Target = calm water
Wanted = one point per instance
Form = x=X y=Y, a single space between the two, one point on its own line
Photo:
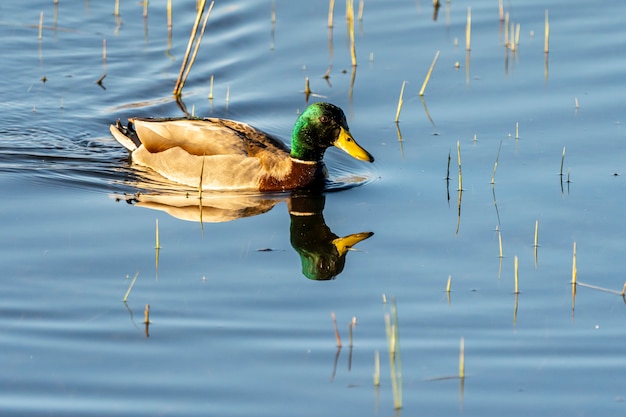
x=237 y=325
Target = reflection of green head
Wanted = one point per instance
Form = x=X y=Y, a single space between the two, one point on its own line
x=322 y=264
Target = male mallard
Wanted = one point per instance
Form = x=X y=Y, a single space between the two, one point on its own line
x=220 y=154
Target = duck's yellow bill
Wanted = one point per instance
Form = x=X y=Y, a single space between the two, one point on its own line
x=346 y=143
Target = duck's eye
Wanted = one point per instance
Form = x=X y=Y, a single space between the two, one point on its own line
x=324 y=119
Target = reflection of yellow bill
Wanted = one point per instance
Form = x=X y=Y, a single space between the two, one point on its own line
x=344 y=244
x=346 y=143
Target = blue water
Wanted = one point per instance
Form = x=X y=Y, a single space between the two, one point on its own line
x=236 y=325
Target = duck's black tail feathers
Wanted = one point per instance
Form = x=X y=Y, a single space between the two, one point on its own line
x=125 y=135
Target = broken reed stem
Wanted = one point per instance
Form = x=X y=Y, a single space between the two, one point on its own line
x=536 y=233
x=350 y=16
x=400 y=101
x=516 y=263
x=458 y=152
x=40 y=26
x=495 y=165
x=574 y=268
x=158 y=241
x=562 y=161
x=462 y=358
x=449 y=283
x=130 y=287
x=211 y=88
x=187 y=63
x=331 y=9
x=146 y=314
x=468 y=29
x=377 y=369
x=337 y=337
x=430 y=71
x=595 y=287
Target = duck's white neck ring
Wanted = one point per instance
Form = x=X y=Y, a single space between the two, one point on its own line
x=300 y=161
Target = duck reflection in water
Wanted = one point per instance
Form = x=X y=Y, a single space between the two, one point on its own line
x=322 y=253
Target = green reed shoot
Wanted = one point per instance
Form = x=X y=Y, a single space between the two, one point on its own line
x=130 y=287
x=400 y=102
x=495 y=165
x=430 y=71
x=458 y=152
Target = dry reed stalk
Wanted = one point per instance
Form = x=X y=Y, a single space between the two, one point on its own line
x=360 y=12
x=350 y=18
x=458 y=156
x=546 y=40
x=516 y=130
x=351 y=326
x=495 y=165
x=537 y=233
x=331 y=10
x=449 y=283
x=145 y=9
x=169 y=15
x=468 y=29
x=117 y=8
x=307 y=88
x=562 y=161
x=574 y=268
x=211 y=88
x=377 y=368
x=576 y=106
x=400 y=102
x=499 y=241
x=40 y=36
x=337 y=337
x=516 y=264
x=462 y=358
x=130 y=287
x=146 y=314
x=187 y=62
x=507 y=17
x=501 y=10
x=430 y=71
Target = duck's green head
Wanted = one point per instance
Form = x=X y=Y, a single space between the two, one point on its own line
x=320 y=126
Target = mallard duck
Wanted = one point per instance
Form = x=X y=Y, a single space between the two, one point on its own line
x=220 y=154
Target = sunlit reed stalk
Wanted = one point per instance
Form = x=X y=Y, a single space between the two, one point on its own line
x=462 y=358
x=377 y=368
x=337 y=337
x=430 y=71
x=384 y=297
x=307 y=87
x=468 y=29
x=227 y=95
x=516 y=264
x=146 y=314
x=169 y=15
x=394 y=356
x=273 y=12
x=517 y=30
x=200 y=187
x=331 y=11
x=350 y=17
x=574 y=268
x=576 y=106
x=495 y=165
x=211 y=88
x=130 y=287
x=458 y=153
x=158 y=242
x=400 y=102
x=360 y=12
x=40 y=26
x=506 y=30
x=187 y=62
x=516 y=130
x=546 y=41
x=117 y=8
x=562 y=161
x=536 y=233
x=145 y=8
x=449 y=283
x=511 y=41
x=499 y=240
x=501 y=10
x=351 y=326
